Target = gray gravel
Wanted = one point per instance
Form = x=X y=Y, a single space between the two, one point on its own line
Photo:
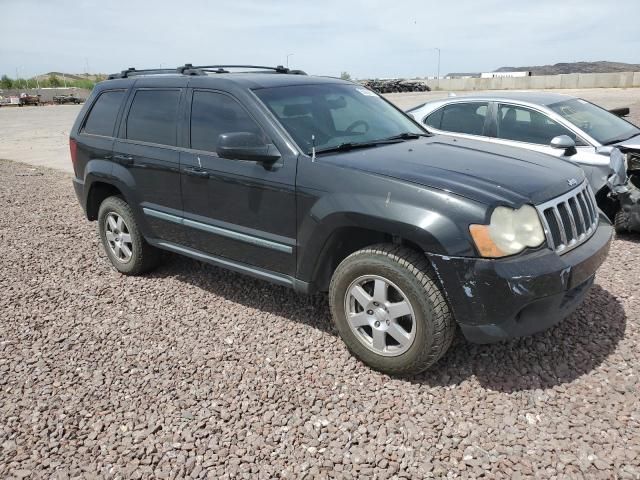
x=195 y=371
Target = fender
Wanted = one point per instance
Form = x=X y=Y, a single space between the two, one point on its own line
x=434 y=222
x=105 y=171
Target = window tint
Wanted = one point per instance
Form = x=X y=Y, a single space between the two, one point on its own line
x=464 y=118
x=153 y=116
x=102 y=118
x=435 y=119
x=526 y=125
x=215 y=113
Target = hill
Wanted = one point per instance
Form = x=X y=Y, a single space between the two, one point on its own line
x=576 y=67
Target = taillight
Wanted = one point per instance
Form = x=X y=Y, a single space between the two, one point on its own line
x=73 y=147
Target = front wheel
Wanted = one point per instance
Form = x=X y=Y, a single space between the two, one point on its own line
x=389 y=310
x=620 y=222
x=126 y=248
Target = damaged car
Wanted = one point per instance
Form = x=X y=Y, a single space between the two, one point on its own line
x=606 y=146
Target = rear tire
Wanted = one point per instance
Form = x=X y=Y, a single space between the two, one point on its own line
x=121 y=238
x=410 y=343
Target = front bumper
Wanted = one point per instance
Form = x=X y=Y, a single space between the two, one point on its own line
x=493 y=300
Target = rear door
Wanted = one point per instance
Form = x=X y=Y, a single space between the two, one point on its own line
x=463 y=119
x=237 y=209
x=147 y=157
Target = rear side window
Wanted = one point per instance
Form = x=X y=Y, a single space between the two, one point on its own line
x=464 y=118
x=102 y=118
x=434 y=119
x=153 y=117
x=215 y=113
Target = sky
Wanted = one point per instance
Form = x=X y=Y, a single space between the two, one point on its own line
x=368 y=39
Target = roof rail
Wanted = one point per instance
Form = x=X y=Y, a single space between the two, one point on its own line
x=189 y=69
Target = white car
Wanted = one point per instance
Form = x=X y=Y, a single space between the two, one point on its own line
x=555 y=124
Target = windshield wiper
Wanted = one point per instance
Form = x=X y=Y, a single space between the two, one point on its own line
x=408 y=136
x=343 y=147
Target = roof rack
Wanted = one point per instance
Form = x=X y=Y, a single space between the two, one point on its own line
x=189 y=69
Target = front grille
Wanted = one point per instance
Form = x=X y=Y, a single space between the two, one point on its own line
x=570 y=219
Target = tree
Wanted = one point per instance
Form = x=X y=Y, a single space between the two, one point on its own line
x=54 y=81
x=6 y=82
x=345 y=76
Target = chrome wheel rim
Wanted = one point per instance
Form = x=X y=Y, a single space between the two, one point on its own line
x=118 y=237
x=380 y=315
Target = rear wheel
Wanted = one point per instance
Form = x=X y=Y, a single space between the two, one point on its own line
x=389 y=310
x=126 y=248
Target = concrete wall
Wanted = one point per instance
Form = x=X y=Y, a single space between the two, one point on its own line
x=571 y=80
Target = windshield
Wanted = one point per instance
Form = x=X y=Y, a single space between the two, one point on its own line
x=603 y=126
x=334 y=114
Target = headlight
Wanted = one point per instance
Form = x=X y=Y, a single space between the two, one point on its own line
x=509 y=232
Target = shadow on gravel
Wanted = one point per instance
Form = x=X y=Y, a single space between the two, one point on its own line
x=249 y=292
x=573 y=348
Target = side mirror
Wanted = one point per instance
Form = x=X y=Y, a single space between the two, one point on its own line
x=246 y=146
x=564 y=142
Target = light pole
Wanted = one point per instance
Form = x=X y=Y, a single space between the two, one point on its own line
x=438 y=77
x=288 y=55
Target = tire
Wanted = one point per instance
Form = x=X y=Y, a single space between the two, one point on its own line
x=407 y=274
x=143 y=257
x=620 y=223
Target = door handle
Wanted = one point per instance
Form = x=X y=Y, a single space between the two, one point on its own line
x=196 y=172
x=123 y=159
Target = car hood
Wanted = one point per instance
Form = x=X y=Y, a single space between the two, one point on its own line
x=488 y=173
x=633 y=143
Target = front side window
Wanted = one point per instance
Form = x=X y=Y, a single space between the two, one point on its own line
x=598 y=123
x=330 y=115
x=523 y=124
x=153 y=117
x=213 y=114
x=463 y=118
x=102 y=118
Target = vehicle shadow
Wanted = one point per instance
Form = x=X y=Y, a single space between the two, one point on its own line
x=573 y=348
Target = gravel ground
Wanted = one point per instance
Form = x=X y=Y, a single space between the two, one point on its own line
x=195 y=371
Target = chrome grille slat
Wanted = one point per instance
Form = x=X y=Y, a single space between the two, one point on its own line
x=569 y=220
x=563 y=234
x=579 y=204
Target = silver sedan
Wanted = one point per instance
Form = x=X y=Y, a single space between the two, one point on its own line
x=603 y=144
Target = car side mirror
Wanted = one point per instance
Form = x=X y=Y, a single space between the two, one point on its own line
x=246 y=146
x=564 y=142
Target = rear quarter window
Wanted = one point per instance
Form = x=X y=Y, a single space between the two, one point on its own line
x=103 y=114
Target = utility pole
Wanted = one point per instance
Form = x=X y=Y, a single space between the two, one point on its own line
x=438 y=78
x=288 y=55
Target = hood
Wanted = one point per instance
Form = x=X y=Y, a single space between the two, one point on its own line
x=485 y=172
x=631 y=143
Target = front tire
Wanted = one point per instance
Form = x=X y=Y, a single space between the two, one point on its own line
x=389 y=310
x=121 y=238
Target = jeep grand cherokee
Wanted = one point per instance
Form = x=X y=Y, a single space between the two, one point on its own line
x=320 y=184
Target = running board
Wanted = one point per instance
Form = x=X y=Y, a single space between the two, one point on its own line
x=260 y=273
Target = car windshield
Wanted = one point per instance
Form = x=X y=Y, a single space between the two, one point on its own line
x=331 y=115
x=603 y=126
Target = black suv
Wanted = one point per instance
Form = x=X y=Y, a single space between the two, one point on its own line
x=320 y=184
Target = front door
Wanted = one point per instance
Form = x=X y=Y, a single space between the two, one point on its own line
x=236 y=209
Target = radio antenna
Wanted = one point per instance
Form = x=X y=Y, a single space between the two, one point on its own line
x=313 y=148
